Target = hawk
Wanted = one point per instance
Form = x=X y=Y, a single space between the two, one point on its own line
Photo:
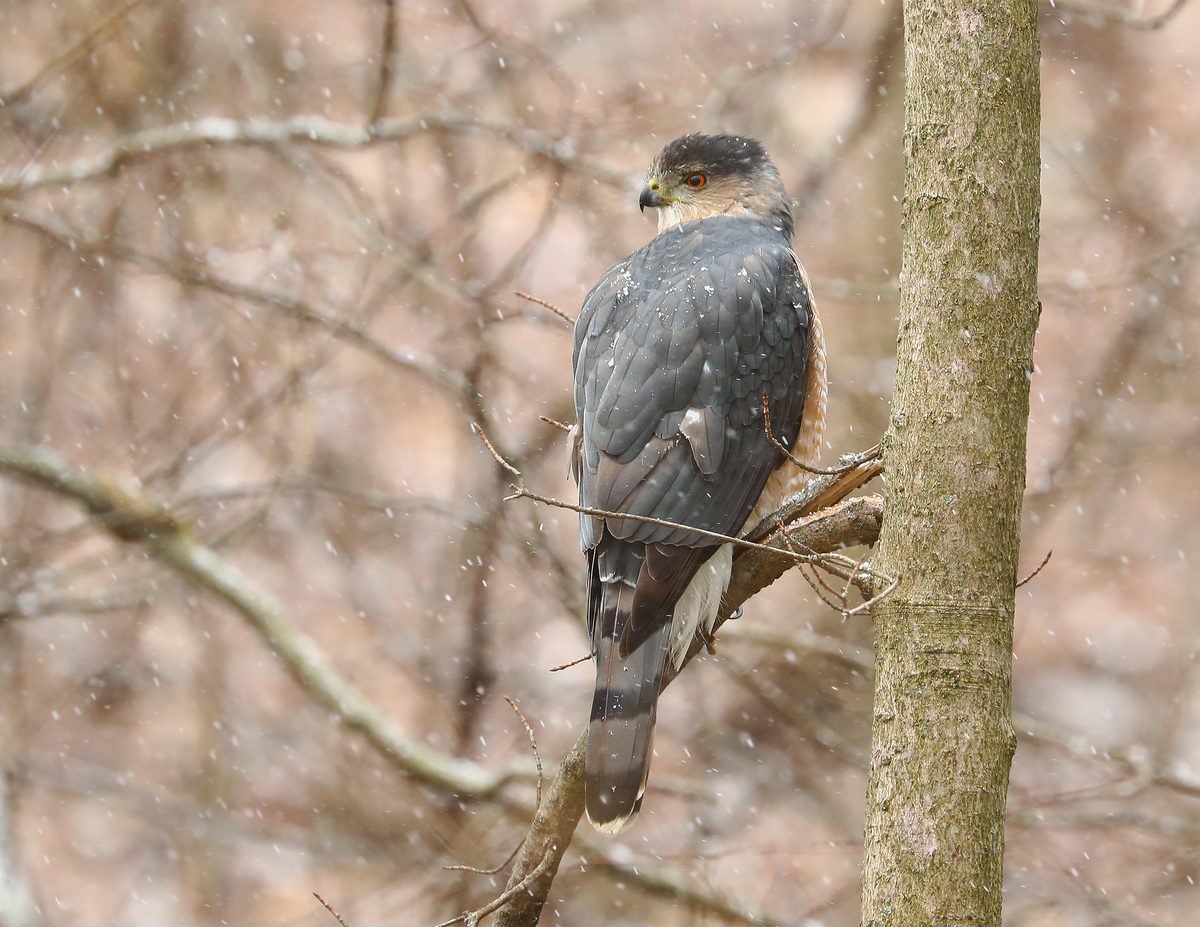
x=674 y=350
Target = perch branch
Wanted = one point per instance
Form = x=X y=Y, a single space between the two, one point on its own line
x=521 y=491
x=841 y=522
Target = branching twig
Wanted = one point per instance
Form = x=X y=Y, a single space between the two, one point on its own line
x=866 y=606
x=132 y=517
x=856 y=576
x=521 y=491
x=845 y=465
x=814 y=582
x=538 y=760
x=214 y=131
x=532 y=745
x=500 y=868
x=472 y=918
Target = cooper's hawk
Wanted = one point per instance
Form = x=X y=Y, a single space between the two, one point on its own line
x=674 y=349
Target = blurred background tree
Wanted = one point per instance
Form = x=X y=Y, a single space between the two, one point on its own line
x=257 y=261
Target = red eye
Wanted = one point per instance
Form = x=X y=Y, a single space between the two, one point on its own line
x=696 y=181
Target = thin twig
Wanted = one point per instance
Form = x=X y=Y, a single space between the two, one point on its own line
x=833 y=592
x=866 y=606
x=133 y=517
x=557 y=424
x=57 y=65
x=556 y=669
x=533 y=745
x=500 y=868
x=472 y=918
x=329 y=908
x=783 y=532
x=850 y=462
x=813 y=585
x=496 y=454
x=387 y=56
x=1045 y=560
x=837 y=564
x=849 y=581
x=553 y=308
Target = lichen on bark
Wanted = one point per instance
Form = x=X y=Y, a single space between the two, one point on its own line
x=942 y=739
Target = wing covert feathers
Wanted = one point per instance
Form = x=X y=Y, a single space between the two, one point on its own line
x=674 y=349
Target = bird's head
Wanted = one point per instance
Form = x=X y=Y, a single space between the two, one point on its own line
x=697 y=176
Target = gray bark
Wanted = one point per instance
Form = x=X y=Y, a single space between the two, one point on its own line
x=942 y=739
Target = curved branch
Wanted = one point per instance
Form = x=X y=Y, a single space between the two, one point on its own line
x=215 y=131
x=132 y=517
x=847 y=522
x=292 y=306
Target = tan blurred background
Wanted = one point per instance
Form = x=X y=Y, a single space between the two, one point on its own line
x=288 y=337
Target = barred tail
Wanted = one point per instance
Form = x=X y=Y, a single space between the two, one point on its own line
x=621 y=731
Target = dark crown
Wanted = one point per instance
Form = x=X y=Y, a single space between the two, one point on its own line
x=716 y=154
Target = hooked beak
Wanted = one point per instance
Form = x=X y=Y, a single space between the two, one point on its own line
x=651 y=196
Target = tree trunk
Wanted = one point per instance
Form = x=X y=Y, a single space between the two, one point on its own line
x=942 y=739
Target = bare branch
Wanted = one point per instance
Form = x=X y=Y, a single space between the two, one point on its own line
x=1045 y=560
x=520 y=491
x=329 y=908
x=387 y=56
x=847 y=462
x=290 y=305
x=472 y=918
x=553 y=308
x=214 y=131
x=60 y=63
x=132 y=517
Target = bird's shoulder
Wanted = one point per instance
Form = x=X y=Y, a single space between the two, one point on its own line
x=685 y=267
